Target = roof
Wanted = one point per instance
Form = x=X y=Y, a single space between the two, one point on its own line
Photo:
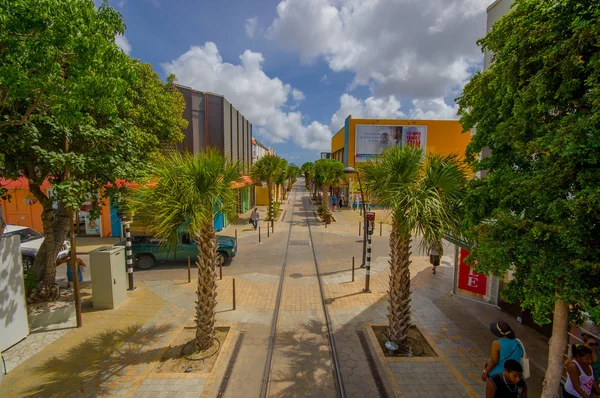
x=13 y=228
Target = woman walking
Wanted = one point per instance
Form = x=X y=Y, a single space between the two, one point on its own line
x=580 y=375
x=504 y=348
x=508 y=384
x=434 y=255
x=590 y=342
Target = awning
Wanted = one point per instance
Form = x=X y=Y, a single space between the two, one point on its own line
x=244 y=180
x=20 y=183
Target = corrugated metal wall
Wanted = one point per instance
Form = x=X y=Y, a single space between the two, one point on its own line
x=188 y=132
x=234 y=140
x=227 y=128
x=215 y=122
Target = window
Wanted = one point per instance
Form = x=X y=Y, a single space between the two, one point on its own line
x=27 y=234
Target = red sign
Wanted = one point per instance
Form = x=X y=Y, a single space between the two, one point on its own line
x=469 y=279
x=413 y=138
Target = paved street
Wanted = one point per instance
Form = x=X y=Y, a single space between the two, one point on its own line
x=116 y=352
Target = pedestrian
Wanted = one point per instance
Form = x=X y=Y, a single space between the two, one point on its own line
x=508 y=384
x=504 y=348
x=590 y=342
x=80 y=265
x=580 y=374
x=435 y=253
x=254 y=217
x=342 y=200
x=333 y=202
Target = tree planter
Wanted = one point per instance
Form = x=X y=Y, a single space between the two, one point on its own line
x=61 y=312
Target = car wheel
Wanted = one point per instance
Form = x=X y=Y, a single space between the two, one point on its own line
x=221 y=259
x=145 y=261
x=28 y=263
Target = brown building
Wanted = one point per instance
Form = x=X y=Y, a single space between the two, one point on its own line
x=213 y=122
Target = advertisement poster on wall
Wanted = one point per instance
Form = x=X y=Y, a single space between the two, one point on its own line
x=469 y=279
x=371 y=140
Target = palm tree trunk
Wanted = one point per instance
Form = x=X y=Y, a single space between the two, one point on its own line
x=206 y=292
x=325 y=199
x=399 y=299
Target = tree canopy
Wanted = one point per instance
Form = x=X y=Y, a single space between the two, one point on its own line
x=537 y=109
x=75 y=109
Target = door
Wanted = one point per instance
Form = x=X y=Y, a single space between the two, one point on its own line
x=187 y=248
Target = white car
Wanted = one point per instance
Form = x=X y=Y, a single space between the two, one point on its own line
x=31 y=240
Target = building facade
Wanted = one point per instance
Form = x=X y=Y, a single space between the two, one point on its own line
x=213 y=122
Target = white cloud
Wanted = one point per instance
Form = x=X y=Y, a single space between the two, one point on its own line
x=250 y=26
x=411 y=49
x=436 y=109
x=257 y=96
x=384 y=108
x=298 y=95
x=324 y=79
x=123 y=44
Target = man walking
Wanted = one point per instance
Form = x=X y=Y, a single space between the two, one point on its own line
x=333 y=202
x=254 y=218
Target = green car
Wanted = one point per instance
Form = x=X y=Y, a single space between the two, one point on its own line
x=147 y=250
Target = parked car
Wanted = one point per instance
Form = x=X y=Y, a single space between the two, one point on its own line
x=147 y=250
x=31 y=240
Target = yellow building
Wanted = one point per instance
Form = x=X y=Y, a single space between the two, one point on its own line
x=363 y=139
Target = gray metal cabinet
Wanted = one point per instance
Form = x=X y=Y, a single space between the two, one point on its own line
x=109 y=277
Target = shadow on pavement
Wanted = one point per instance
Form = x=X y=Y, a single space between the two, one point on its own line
x=310 y=367
x=87 y=366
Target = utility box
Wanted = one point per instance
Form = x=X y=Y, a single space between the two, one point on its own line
x=108 y=273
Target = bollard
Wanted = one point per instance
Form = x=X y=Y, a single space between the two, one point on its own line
x=380 y=228
x=359 y=228
x=221 y=269
x=268 y=233
x=259 y=234
x=234 y=294
x=352 y=269
x=236 y=235
x=189 y=271
x=272 y=227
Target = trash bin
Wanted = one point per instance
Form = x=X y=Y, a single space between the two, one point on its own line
x=109 y=276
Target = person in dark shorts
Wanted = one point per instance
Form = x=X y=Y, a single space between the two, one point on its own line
x=508 y=384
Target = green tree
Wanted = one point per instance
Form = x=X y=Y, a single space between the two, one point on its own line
x=536 y=210
x=330 y=173
x=422 y=193
x=291 y=174
x=268 y=169
x=187 y=193
x=308 y=168
x=71 y=99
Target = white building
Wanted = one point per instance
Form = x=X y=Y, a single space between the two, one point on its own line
x=259 y=150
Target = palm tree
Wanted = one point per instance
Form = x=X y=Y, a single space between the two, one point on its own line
x=187 y=193
x=423 y=193
x=292 y=175
x=308 y=168
x=330 y=173
x=268 y=169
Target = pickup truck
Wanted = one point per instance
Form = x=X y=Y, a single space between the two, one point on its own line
x=147 y=250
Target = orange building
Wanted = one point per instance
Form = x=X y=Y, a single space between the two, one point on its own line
x=363 y=139
x=24 y=210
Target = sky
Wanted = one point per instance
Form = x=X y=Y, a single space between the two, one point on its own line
x=297 y=68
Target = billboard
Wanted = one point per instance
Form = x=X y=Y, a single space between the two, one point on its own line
x=469 y=279
x=371 y=139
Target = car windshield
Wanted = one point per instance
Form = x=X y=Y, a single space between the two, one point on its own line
x=26 y=234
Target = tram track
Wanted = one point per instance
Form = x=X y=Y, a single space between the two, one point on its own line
x=335 y=365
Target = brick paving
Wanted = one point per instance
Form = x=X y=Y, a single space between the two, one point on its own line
x=115 y=352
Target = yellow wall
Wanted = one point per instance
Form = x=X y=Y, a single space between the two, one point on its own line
x=443 y=136
x=262 y=196
x=337 y=142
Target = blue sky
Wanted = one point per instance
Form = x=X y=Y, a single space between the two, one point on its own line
x=297 y=68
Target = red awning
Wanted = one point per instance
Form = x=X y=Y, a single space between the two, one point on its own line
x=20 y=183
x=244 y=180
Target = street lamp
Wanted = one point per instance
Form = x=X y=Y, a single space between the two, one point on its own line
x=352 y=170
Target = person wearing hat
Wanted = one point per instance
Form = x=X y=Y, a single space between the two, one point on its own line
x=504 y=348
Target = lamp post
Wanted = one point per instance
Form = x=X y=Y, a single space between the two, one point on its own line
x=352 y=170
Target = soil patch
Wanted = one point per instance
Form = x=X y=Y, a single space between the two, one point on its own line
x=418 y=344
x=181 y=358
x=66 y=297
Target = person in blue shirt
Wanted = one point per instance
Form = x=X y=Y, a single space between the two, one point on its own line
x=504 y=348
x=333 y=202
